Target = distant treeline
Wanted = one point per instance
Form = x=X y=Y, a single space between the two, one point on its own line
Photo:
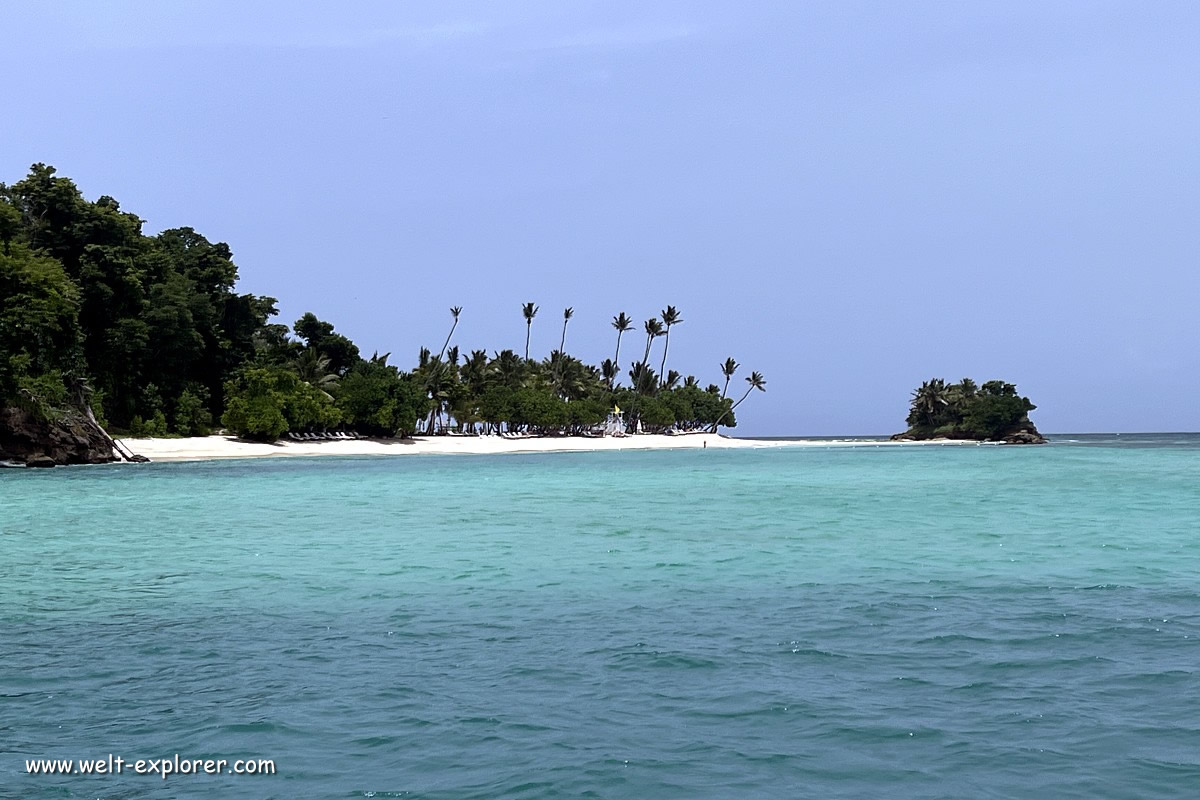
x=151 y=334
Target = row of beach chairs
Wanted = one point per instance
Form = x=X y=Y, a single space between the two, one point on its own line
x=324 y=436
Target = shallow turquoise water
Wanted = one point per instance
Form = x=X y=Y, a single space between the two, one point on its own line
x=799 y=622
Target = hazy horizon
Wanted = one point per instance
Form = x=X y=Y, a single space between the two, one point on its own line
x=849 y=198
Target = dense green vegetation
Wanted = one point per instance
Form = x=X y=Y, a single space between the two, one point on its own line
x=965 y=410
x=150 y=332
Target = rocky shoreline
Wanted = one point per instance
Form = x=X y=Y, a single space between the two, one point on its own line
x=1026 y=434
x=26 y=440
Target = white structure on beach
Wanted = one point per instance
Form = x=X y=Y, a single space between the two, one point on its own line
x=615 y=424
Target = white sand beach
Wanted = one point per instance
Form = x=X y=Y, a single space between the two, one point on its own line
x=204 y=448
x=201 y=448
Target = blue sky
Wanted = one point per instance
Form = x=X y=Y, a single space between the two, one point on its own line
x=849 y=197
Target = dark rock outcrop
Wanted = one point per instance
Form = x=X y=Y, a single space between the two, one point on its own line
x=1025 y=433
x=72 y=440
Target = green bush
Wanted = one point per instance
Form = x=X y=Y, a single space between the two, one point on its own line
x=254 y=406
x=267 y=402
x=377 y=399
x=157 y=426
x=192 y=417
x=45 y=396
x=137 y=427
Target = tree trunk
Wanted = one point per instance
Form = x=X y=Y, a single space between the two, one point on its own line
x=731 y=408
x=83 y=399
x=446 y=343
x=663 y=366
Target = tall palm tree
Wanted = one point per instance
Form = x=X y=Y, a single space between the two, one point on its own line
x=568 y=312
x=669 y=317
x=529 y=311
x=727 y=369
x=454 y=311
x=756 y=381
x=623 y=324
x=653 y=329
x=440 y=378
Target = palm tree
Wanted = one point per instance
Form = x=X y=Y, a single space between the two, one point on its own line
x=642 y=378
x=690 y=382
x=609 y=369
x=958 y=395
x=727 y=369
x=623 y=324
x=756 y=381
x=508 y=369
x=568 y=312
x=653 y=330
x=474 y=371
x=669 y=317
x=455 y=311
x=928 y=403
x=440 y=378
x=529 y=311
x=313 y=369
x=569 y=377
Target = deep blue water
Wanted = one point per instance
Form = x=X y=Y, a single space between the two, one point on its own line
x=918 y=622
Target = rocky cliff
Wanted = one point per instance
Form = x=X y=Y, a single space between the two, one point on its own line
x=26 y=439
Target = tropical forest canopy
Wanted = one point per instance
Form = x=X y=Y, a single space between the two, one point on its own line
x=151 y=333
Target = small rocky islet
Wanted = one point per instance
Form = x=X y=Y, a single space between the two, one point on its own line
x=967 y=411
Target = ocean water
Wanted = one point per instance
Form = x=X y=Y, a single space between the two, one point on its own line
x=923 y=622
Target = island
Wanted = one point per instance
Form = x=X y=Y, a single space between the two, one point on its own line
x=109 y=335
x=993 y=412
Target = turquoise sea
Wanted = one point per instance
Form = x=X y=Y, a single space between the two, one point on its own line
x=919 y=622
